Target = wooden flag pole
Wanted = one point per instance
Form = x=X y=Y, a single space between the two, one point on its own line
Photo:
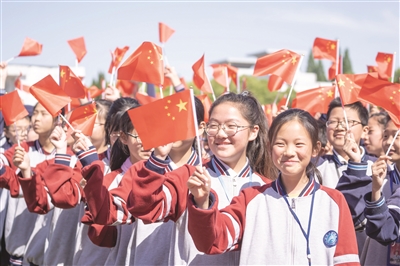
x=337 y=66
x=196 y=126
x=294 y=80
x=391 y=144
x=393 y=67
x=227 y=79
x=16 y=134
x=66 y=121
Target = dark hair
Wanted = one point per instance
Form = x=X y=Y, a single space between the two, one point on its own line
x=103 y=107
x=252 y=111
x=199 y=110
x=118 y=120
x=310 y=125
x=8 y=127
x=356 y=106
x=381 y=117
x=322 y=133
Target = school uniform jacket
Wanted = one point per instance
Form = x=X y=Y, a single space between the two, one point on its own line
x=160 y=197
x=260 y=224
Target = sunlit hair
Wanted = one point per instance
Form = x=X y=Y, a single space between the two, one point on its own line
x=310 y=125
x=103 y=107
x=252 y=111
x=356 y=106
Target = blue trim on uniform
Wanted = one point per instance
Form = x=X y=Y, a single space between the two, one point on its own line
x=63 y=159
x=374 y=207
x=2 y=169
x=157 y=165
x=87 y=157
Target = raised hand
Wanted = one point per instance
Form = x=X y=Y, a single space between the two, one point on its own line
x=199 y=185
x=351 y=148
x=59 y=139
x=379 y=171
x=22 y=161
x=81 y=143
x=111 y=94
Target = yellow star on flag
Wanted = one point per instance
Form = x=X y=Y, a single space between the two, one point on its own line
x=341 y=83
x=62 y=73
x=182 y=105
x=330 y=94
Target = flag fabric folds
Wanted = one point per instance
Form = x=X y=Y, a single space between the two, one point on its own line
x=30 y=48
x=385 y=65
x=116 y=57
x=324 y=49
x=382 y=93
x=220 y=75
x=144 y=99
x=371 y=69
x=275 y=83
x=332 y=69
x=93 y=91
x=200 y=78
x=71 y=84
x=12 y=107
x=78 y=47
x=166 y=120
x=349 y=86
x=50 y=95
x=83 y=118
x=164 y=32
x=314 y=100
x=145 y=65
x=282 y=63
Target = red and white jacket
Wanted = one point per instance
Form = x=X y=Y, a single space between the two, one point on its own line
x=260 y=224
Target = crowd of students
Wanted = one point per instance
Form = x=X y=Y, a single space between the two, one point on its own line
x=303 y=191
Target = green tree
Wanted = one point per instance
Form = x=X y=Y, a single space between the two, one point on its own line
x=100 y=78
x=347 y=69
x=397 y=76
x=320 y=72
x=311 y=67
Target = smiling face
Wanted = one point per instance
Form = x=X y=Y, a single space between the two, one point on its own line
x=292 y=150
x=388 y=135
x=373 y=140
x=336 y=136
x=230 y=149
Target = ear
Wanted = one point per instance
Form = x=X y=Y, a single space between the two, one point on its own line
x=317 y=149
x=364 y=133
x=123 y=138
x=202 y=127
x=253 y=132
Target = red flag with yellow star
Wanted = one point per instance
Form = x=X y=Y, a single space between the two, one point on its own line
x=385 y=65
x=349 y=86
x=166 y=120
x=116 y=57
x=372 y=69
x=50 y=95
x=71 y=84
x=332 y=69
x=382 y=93
x=282 y=63
x=268 y=113
x=200 y=78
x=30 y=48
x=12 y=107
x=324 y=49
x=220 y=75
x=314 y=100
x=78 y=47
x=83 y=118
x=164 y=32
x=145 y=65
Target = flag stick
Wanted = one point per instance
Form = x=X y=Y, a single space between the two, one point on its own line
x=391 y=144
x=161 y=92
x=337 y=67
x=227 y=79
x=294 y=80
x=112 y=76
x=16 y=134
x=142 y=87
x=344 y=111
x=170 y=90
x=10 y=59
x=393 y=67
x=66 y=121
x=238 y=83
x=196 y=126
x=212 y=89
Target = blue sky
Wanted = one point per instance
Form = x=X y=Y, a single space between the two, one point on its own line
x=218 y=29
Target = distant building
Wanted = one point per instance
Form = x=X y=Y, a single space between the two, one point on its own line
x=304 y=80
x=30 y=74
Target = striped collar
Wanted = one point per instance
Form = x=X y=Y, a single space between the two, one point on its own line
x=307 y=190
x=339 y=160
x=193 y=160
x=218 y=166
x=40 y=150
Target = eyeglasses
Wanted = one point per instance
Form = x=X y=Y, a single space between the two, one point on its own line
x=114 y=134
x=230 y=129
x=133 y=136
x=21 y=130
x=334 y=123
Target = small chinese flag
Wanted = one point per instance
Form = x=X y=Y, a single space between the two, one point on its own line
x=275 y=83
x=324 y=49
x=164 y=32
x=71 y=84
x=349 y=86
x=93 y=92
x=205 y=100
x=314 y=100
x=30 y=48
x=50 y=95
x=282 y=63
x=385 y=65
x=18 y=84
x=116 y=57
x=382 y=93
x=268 y=113
x=78 y=46
x=332 y=69
x=372 y=69
x=282 y=102
x=220 y=75
x=232 y=71
x=126 y=87
x=144 y=99
x=83 y=118
x=145 y=65
x=166 y=120
x=200 y=78
x=12 y=107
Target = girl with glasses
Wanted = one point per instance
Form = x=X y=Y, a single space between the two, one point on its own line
x=237 y=136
